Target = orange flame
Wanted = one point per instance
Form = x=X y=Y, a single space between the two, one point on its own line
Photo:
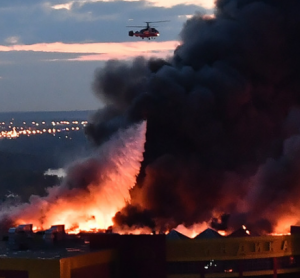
x=91 y=208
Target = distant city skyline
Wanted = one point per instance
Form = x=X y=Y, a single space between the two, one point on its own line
x=49 y=50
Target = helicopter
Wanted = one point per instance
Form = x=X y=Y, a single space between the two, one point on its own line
x=147 y=31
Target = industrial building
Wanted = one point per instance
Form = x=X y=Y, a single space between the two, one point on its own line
x=55 y=254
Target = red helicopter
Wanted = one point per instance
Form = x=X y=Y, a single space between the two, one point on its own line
x=147 y=32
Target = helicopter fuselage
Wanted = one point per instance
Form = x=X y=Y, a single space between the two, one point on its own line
x=145 y=33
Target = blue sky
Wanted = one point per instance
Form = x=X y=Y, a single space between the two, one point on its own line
x=49 y=50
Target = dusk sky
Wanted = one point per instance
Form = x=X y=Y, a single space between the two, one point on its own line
x=50 y=49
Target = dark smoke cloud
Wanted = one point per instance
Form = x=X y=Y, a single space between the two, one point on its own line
x=222 y=118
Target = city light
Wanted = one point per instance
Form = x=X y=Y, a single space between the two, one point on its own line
x=11 y=130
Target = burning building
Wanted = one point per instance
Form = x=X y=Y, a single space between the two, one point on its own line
x=209 y=136
x=222 y=121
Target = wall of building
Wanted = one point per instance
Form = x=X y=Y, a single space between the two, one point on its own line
x=233 y=257
x=139 y=256
x=29 y=268
x=99 y=264
x=146 y=256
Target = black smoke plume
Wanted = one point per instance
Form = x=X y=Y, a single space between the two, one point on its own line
x=223 y=119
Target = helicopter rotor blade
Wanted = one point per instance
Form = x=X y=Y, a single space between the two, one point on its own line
x=157 y=21
x=136 y=26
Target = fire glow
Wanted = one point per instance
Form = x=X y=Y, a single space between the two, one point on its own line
x=91 y=207
x=83 y=206
x=223 y=132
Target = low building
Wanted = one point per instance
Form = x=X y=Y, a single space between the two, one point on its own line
x=108 y=255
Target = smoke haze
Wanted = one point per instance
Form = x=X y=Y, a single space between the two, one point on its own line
x=223 y=120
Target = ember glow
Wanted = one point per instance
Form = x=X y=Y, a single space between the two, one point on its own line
x=284 y=224
x=245 y=228
x=89 y=204
x=193 y=230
